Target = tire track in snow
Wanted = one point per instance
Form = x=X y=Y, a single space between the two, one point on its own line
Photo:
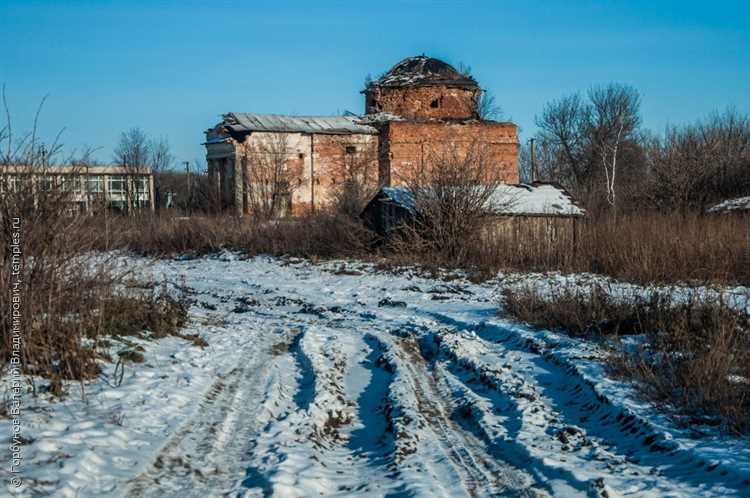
x=306 y=389
x=196 y=461
x=374 y=440
x=584 y=425
x=481 y=474
x=317 y=455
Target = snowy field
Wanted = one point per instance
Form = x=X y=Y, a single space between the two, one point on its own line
x=333 y=380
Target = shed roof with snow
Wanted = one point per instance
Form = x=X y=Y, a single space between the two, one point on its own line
x=534 y=199
x=736 y=205
x=243 y=122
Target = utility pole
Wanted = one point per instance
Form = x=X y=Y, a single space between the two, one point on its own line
x=189 y=195
x=533 y=161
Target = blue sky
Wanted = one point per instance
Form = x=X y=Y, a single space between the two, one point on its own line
x=172 y=68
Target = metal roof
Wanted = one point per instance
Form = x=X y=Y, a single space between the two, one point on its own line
x=332 y=125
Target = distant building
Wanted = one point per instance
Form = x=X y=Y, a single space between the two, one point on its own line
x=418 y=107
x=85 y=188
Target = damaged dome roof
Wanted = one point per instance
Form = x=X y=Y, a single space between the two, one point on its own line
x=422 y=71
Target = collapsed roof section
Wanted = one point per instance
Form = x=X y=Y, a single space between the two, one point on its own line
x=424 y=71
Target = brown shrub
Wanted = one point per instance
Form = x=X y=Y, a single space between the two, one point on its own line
x=696 y=356
x=322 y=235
x=68 y=297
x=643 y=247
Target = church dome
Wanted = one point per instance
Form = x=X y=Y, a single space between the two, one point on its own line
x=424 y=71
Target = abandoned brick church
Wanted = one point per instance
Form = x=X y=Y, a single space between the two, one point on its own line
x=420 y=105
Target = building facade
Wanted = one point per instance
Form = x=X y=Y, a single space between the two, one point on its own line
x=83 y=189
x=419 y=107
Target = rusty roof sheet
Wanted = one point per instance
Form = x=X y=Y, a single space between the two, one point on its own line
x=332 y=125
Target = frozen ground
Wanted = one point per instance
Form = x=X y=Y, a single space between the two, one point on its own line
x=324 y=380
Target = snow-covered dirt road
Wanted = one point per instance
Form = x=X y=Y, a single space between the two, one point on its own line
x=332 y=380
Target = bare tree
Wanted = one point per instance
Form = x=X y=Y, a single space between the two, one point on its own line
x=160 y=156
x=132 y=151
x=488 y=108
x=272 y=173
x=26 y=149
x=160 y=159
x=614 y=119
x=136 y=152
x=133 y=154
x=696 y=165
x=562 y=133
x=581 y=141
x=454 y=192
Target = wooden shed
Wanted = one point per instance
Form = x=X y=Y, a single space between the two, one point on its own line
x=542 y=210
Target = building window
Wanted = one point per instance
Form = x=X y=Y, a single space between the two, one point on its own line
x=47 y=183
x=435 y=104
x=70 y=184
x=116 y=184
x=141 y=185
x=95 y=184
x=351 y=149
x=8 y=183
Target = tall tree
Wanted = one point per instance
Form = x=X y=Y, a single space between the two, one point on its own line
x=614 y=120
x=582 y=140
x=132 y=151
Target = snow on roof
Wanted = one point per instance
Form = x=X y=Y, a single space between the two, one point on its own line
x=422 y=70
x=545 y=199
x=537 y=199
x=736 y=204
x=379 y=117
x=332 y=125
x=401 y=196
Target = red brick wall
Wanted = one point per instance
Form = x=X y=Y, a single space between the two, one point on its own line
x=423 y=102
x=333 y=164
x=406 y=145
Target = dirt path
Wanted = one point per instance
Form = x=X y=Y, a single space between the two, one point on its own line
x=348 y=391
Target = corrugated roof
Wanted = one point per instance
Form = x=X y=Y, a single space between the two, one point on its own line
x=332 y=125
x=537 y=199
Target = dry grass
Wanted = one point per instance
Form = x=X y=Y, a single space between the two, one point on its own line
x=642 y=248
x=650 y=247
x=70 y=297
x=696 y=356
x=324 y=236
